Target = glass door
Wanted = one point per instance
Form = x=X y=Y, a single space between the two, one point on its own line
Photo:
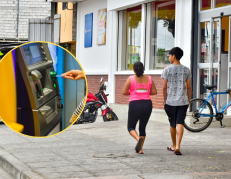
x=216 y=60
x=204 y=57
x=208 y=56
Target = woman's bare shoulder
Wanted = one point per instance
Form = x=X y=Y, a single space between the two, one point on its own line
x=129 y=79
x=146 y=76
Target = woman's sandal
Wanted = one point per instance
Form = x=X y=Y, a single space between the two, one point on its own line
x=138 y=145
x=177 y=152
x=170 y=149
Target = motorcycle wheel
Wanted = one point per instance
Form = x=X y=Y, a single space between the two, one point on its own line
x=81 y=120
x=110 y=116
x=78 y=121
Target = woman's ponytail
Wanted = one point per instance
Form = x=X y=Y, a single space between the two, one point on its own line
x=138 y=68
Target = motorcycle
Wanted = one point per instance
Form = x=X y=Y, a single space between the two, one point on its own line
x=93 y=103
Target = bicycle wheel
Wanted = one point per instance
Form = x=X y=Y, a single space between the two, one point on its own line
x=193 y=122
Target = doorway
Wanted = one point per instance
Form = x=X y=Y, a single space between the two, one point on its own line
x=214 y=62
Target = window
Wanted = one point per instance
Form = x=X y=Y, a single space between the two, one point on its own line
x=130 y=37
x=221 y=3
x=162 y=33
x=209 y=4
x=204 y=79
x=206 y=4
x=205 y=42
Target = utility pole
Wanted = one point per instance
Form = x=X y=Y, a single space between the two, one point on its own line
x=17 y=19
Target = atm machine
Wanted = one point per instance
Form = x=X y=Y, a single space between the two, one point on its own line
x=39 y=104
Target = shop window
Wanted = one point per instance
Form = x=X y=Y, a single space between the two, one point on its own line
x=216 y=41
x=129 y=37
x=205 y=42
x=221 y=3
x=162 y=33
x=204 y=79
x=206 y=4
x=230 y=78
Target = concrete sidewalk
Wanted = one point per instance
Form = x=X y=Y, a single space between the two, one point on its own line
x=106 y=150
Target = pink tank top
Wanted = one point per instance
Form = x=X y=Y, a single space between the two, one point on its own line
x=140 y=94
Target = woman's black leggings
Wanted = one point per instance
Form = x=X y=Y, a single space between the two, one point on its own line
x=139 y=110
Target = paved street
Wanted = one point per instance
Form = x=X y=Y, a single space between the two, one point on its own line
x=106 y=150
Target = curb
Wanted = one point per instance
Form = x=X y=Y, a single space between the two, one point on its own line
x=15 y=168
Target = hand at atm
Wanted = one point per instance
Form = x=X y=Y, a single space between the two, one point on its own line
x=74 y=75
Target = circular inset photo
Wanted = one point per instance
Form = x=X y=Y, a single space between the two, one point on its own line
x=42 y=84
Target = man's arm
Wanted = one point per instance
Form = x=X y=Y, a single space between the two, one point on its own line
x=189 y=89
x=164 y=88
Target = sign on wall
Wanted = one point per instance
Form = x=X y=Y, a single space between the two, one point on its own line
x=101 y=27
x=88 y=30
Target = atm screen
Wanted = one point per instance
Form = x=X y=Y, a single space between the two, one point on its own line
x=32 y=54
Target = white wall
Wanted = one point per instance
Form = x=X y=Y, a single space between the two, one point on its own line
x=183 y=29
x=95 y=59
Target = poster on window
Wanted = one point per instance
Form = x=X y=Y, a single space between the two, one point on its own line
x=101 y=27
x=203 y=47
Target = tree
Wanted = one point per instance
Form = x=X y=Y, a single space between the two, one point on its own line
x=160 y=54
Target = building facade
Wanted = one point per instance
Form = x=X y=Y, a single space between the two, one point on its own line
x=146 y=30
x=135 y=30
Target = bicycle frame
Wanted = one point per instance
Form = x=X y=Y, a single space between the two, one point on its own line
x=214 y=103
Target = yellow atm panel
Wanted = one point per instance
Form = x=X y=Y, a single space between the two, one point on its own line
x=8 y=98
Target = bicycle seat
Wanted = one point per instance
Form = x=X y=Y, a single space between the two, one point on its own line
x=209 y=87
x=228 y=90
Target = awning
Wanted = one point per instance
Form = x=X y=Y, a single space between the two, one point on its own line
x=5 y=47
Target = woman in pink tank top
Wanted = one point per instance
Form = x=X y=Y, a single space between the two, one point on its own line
x=139 y=87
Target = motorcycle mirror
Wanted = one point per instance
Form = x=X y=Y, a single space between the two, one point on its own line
x=101 y=80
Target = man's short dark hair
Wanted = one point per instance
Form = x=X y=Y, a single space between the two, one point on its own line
x=178 y=52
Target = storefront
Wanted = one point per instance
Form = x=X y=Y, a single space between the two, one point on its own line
x=212 y=56
x=135 y=30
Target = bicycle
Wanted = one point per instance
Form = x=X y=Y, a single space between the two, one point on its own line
x=200 y=112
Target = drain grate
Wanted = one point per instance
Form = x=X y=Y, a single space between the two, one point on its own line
x=111 y=155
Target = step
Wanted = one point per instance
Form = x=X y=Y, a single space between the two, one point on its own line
x=4 y=174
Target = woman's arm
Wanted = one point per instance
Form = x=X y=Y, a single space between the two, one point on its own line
x=126 y=87
x=153 y=90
